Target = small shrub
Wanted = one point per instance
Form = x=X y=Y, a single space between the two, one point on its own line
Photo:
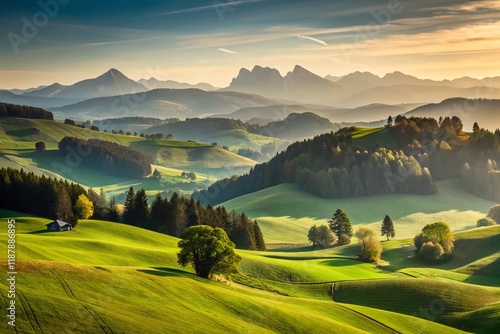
x=431 y=252
x=486 y=221
x=373 y=250
x=344 y=239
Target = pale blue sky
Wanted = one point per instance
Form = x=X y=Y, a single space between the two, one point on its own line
x=210 y=41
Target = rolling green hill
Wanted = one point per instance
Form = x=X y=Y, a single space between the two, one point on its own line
x=183 y=154
x=285 y=212
x=114 y=278
x=18 y=137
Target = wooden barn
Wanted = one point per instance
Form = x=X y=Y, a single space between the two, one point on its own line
x=59 y=226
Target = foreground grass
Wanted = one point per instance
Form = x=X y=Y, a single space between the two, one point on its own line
x=115 y=278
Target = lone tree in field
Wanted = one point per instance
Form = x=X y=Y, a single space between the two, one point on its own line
x=208 y=250
x=371 y=247
x=84 y=207
x=320 y=236
x=340 y=225
x=40 y=146
x=387 y=228
x=435 y=243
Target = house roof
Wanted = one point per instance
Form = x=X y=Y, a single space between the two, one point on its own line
x=59 y=222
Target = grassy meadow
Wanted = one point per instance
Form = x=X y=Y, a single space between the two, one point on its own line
x=285 y=212
x=109 y=277
x=17 y=150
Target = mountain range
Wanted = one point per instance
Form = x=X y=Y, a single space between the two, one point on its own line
x=162 y=103
x=153 y=83
x=261 y=94
x=358 y=88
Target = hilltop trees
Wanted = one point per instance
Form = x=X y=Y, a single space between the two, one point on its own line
x=371 y=247
x=340 y=225
x=435 y=243
x=387 y=228
x=320 y=236
x=15 y=110
x=208 y=250
x=329 y=165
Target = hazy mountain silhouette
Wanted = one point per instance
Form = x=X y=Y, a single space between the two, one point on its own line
x=153 y=83
x=298 y=85
x=164 y=103
x=111 y=83
x=483 y=111
x=48 y=91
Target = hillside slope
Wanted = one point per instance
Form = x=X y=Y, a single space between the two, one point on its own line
x=117 y=278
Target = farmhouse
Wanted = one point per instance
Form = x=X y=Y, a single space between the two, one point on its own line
x=59 y=225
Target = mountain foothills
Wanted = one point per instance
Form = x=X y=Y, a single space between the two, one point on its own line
x=353 y=204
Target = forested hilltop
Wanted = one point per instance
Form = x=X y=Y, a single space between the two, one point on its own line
x=15 y=110
x=406 y=157
x=107 y=157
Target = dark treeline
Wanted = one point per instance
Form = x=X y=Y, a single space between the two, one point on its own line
x=416 y=152
x=15 y=110
x=172 y=216
x=39 y=195
x=107 y=157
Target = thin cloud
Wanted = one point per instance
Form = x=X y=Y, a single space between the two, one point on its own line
x=214 y=6
x=312 y=39
x=227 y=51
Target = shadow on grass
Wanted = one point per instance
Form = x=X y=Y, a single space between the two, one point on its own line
x=44 y=231
x=295 y=250
x=340 y=262
x=170 y=272
x=22 y=133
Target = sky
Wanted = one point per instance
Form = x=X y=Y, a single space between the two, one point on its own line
x=47 y=41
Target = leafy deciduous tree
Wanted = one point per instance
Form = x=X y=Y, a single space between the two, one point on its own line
x=435 y=243
x=371 y=247
x=321 y=236
x=84 y=207
x=208 y=250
